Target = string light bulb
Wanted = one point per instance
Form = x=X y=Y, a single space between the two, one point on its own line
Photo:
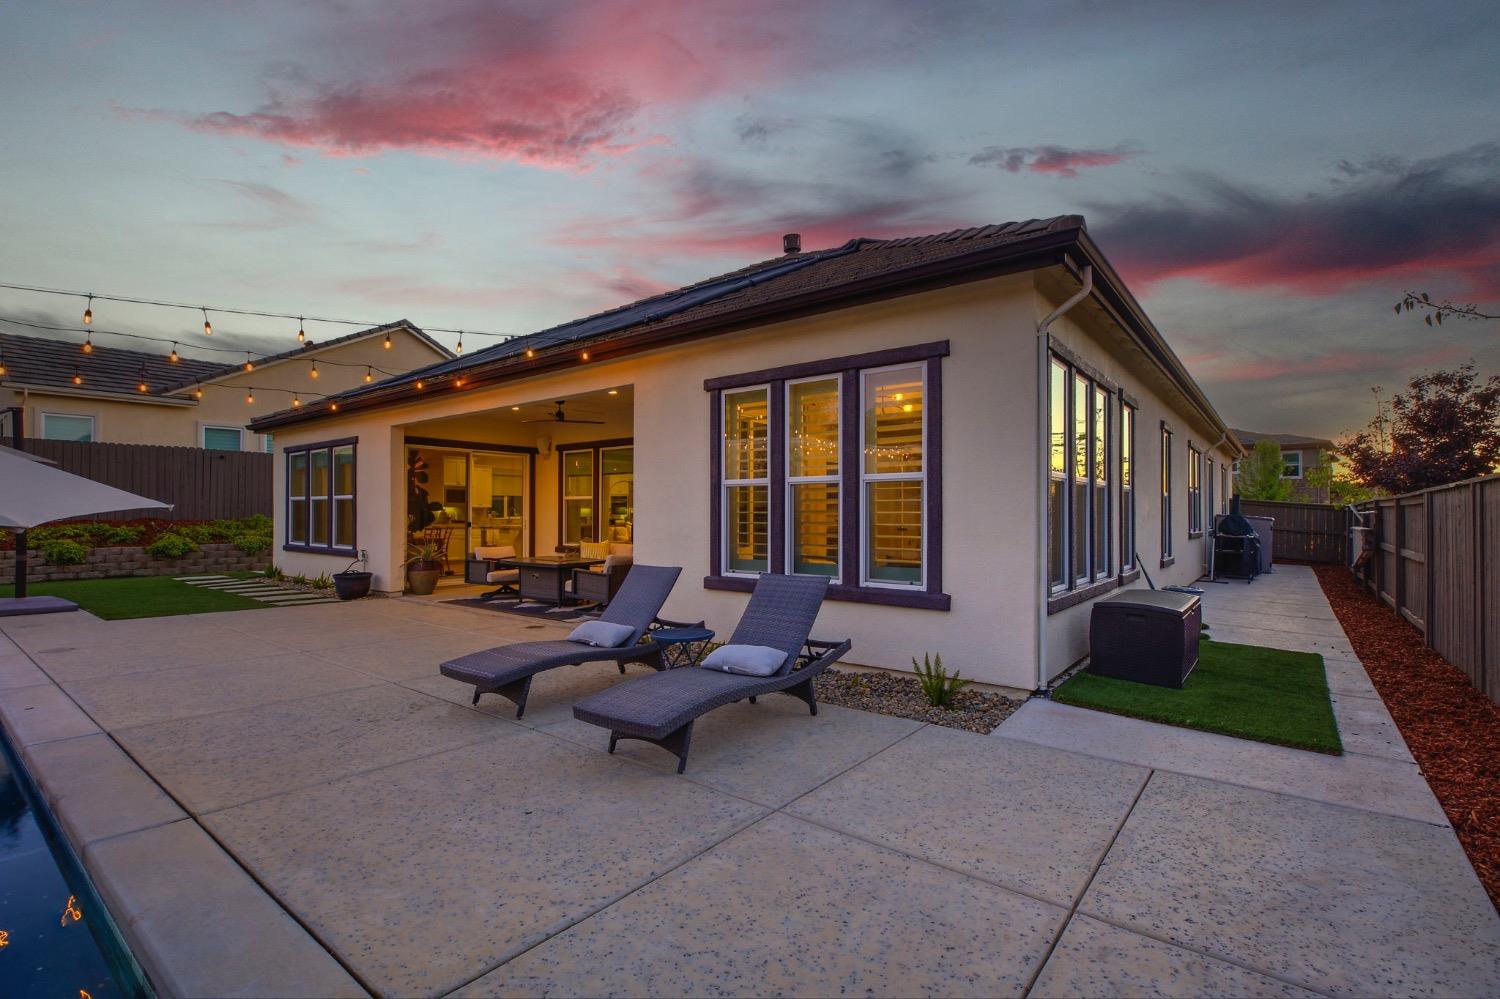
x=296 y=401
x=173 y=356
x=301 y=333
x=530 y=352
x=2 y=365
x=249 y=362
x=198 y=392
x=460 y=349
x=88 y=312
x=458 y=382
x=77 y=378
x=88 y=344
x=387 y=341
x=313 y=372
x=419 y=383
x=369 y=375
x=143 y=386
x=208 y=327
x=585 y=355
x=333 y=407
x=249 y=396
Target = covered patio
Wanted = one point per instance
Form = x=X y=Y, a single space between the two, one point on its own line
x=293 y=801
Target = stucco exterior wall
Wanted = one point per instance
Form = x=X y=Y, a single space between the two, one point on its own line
x=223 y=403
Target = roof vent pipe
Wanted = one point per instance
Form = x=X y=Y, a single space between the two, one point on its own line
x=791 y=243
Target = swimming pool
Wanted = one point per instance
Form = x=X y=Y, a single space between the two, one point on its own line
x=55 y=937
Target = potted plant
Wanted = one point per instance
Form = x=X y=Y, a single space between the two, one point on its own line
x=351 y=584
x=424 y=563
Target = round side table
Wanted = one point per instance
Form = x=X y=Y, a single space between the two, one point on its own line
x=681 y=647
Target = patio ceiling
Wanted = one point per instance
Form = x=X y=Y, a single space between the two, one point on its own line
x=511 y=424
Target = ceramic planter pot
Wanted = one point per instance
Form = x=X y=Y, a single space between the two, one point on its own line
x=422 y=577
x=353 y=585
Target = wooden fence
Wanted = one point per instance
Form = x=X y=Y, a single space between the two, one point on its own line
x=1437 y=563
x=1304 y=532
x=202 y=485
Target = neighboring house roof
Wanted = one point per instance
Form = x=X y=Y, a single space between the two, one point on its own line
x=781 y=288
x=1291 y=441
x=36 y=363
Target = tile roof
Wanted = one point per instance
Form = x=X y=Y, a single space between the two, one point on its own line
x=32 y=360
x=757 y=284
x=1250 y=439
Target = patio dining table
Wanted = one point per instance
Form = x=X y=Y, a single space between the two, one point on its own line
x=544 y=577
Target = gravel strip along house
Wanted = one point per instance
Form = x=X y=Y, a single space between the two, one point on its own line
x=974 y=433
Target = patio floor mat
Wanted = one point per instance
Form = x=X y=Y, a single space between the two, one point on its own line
x=529 y=609
x=1250 y=692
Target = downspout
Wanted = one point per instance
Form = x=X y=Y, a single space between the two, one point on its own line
x=1043 y=360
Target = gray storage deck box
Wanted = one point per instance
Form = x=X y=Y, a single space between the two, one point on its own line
x=1149 y=636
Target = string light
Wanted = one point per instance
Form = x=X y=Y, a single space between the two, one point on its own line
x=458 y=382
x=419 y=383
x=208 y=327
x=249 y=395
x=88 y=344
x=585 y=355
x=387 y=341
x=296 y=402
x=313 y=372
x=333 y=407
x=530 y=352
x=173 y=356
x=142 y=386
x=198 y=392
x=2 y=365
x=460 y=342
x=249 y=363
x=88 y=311
x=77 y=378
x=369 y=375
x=301 y=333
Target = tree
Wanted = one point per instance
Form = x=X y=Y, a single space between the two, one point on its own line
x=1445 y=427
x=1341 y=490
x=1262 y=474
x=1433 y=312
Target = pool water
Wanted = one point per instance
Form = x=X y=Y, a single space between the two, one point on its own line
x=55 y=939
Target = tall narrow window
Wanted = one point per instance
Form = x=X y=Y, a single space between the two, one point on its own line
x=893 y=478
x=1099 y=451
x=747 y=482
x=296 y=493
x=1081 y=476
x=320 y=494
x=343 y=496
x=812 y=458
x=1209 y=475
x=579 y=514
x=1166 y=494
x=1127 y=486
x=1195 y=490
x=1057 y=475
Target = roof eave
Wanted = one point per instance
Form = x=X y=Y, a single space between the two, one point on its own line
x=1042 y=251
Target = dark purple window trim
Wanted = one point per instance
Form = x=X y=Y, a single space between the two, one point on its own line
x=928 y=597
x=306 y=450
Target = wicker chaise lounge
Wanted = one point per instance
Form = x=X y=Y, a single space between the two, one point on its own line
x=660 y=709
x=508 y=669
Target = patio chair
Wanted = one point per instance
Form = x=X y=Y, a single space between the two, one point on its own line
x=661 y=709
x=488 y=567
x=600 y=584
x=508 y=669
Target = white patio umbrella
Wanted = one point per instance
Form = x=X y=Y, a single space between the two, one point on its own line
x=32 y=492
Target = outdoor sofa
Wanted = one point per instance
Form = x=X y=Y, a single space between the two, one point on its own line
x=661 y=708
x=508 y=669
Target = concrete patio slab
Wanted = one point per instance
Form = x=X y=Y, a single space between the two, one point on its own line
x=19 y=671
x=1328 y=646
x=90 y=659
x=96 y=790
x=42 y=713
x=200 y=927
x=1237 y=617
x=1096 y=959
x=1347 y=677
x=1032 y=819
x=214 y=761
x=771 y=752
x=1366 y=728
x=1392 y=787
x=411 y=658
x=755 y=916
x=464 y=859
x=1334 y=899
x=181 y=692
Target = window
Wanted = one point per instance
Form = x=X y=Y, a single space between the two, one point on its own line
x=223 y=438
x=1166 y=495
x=812 y=476
x=1208 y=481
x=268 y=442
x=320 y=497
x=578 y=496
x=1079 y=470
x=747 y=480
x=65 y=427
x=1127 y=486
x=596 y=492
x=1293 y=469
x=828 y=468
x=1195 y=490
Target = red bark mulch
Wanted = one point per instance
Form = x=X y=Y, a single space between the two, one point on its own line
x=1452 y=729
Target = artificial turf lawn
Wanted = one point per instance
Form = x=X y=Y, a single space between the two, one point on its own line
x=1269 y=695
x=138 y=596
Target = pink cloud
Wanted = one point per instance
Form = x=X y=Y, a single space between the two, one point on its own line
x=1226 y=367
x=548 y=85
x=1060 y=161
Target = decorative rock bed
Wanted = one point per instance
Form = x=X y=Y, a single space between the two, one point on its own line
x=894 y=694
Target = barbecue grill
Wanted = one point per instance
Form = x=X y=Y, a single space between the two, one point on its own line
x=1236 y=546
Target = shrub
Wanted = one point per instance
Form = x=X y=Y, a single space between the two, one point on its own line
x=937 y=686
x=171 y=545
x=252 y=543
x=63 y=551
x=275 y=572
x=322 y=582
x=298 y=580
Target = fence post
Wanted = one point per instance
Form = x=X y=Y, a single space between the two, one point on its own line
x=1476 y=500
x=1427 y=573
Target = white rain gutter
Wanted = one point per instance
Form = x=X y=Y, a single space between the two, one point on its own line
x=1043 y=361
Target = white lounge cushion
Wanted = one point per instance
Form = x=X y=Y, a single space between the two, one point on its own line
x=602 y=634
x=746 y=660
x=503 y=576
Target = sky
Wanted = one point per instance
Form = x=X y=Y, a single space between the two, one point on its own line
x=1268 y=178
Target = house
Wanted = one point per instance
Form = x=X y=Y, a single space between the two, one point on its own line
x=66 y=393
x=974 y=433
x=1300 y=455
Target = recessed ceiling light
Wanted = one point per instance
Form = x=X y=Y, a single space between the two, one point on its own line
x=614 y=391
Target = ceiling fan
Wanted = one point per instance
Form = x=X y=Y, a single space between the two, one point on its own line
x=558 y=416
